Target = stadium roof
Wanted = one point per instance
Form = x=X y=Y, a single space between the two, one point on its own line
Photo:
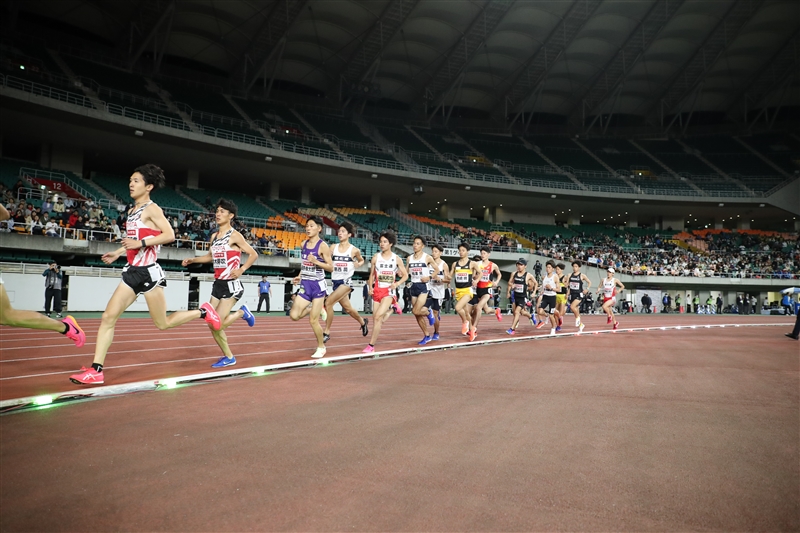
x=575 y=58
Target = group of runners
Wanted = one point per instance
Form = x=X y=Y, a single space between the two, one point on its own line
x=474 y=279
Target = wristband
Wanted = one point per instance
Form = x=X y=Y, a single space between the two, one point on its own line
x=143 y=244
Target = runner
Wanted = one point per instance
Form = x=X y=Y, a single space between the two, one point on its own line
x=346 y=259
x=316 y=257
x=147 y=229
x=33 y=320
x=383 y=281
x=438 y=284
x=521 y=284
x=485 y=288
x=577 y=292
x=561 y=297
x=420 y=266
x=227 y=246
x=609 y=288
x=464 y=271
x=550 y=289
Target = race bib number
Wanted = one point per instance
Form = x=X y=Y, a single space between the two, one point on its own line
x=416 y=272
x=485 y=275
x=309 y=267
x=235 y=286
x=220 y=260
x=385 y=277
x=574 y=286
x=155 y=272
x=340 y=267
x=518 y=287
x=462 y=277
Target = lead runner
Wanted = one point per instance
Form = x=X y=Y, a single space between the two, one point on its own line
x=147 y=229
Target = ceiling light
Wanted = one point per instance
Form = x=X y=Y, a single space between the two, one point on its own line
x=467 y=187
x=373 y=175
x=636 y=201
x=552 y=196
x=721 y=204
x=761 y=205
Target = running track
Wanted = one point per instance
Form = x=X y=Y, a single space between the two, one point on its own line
x=35 y=363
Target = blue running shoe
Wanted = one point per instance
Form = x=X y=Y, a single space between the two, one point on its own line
x=435 y=337
x=558 y=328
x=224 y=361
x=247 y=316
x=424 y=341
x=431 y=318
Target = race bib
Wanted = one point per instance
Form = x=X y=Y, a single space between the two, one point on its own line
x=155 y=272
x=340 y=267
x=462 y=277
x=235 y=286
x=518 y=287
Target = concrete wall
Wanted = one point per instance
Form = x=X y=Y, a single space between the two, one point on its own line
x=504 y=214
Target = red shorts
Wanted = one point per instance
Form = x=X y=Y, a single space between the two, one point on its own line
x=613 y=300
x=379 y=293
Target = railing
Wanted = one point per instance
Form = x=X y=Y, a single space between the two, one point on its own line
x=56 y=176
x=235 y=136
x=146 y=116
x=204 y=116
x=534 y=169
x=48 y=92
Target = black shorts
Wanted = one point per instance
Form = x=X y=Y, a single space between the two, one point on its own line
x=548 y=304
x=142 y=279
x=483 y=291
x=224 y=289
x=574 y=295
x=521 y=299
x=434 y=303
x=419 y=288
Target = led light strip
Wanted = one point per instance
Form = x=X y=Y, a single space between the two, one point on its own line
x=49 y=400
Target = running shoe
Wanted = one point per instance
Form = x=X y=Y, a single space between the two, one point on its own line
x=368 y=349
x=59 y=315
x=560 y=320
x=499 y=314
x=511 y=331
x=365 y=328
x=319 y=353
x=397 y=309
x=248 y=316
x=473 y=334
x=87 y=376
x=224 y=361
x=552 y=331
x=608 y=321
x=425 y=340
x=323 y=315
x=465 y=328
x=211 y=316
x=435 y=337
x=577 y=322
x=533 y=320
x=540 y=324
x=74 y=333
x=616 y=325
x=580 y=328
x=325 y=338
x=431 y=318
x=558 y=328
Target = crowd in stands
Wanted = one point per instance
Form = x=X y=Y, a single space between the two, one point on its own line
x=729 y=254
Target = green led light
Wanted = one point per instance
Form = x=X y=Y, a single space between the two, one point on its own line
x=325 y=362
x=170 y=383
x=43 y=400
x=260 y=371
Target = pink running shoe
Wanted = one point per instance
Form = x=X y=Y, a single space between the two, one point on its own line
x=498 y=314
x=368 y=349
x=616 y=325
x=465 y=328
x=75 y=333
x=608 y=321
x=211 y=316
x=397 y=309
x=87 y=376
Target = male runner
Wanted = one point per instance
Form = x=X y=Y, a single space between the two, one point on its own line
x=464 y=270
x=346 y=258
x=147 y=229
x=227 y=246
x=561 y=297
x=521 y=284
x=485 y=286
x=576 y=292
x=316 y=260
x=550 y=287
x=383 y=282
x=438 y=284
x=609 y=288
x=33 y=320
x=420 y=266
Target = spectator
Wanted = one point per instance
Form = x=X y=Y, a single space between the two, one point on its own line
x=719 y=304
x=36 y=227
x=264 y=294
x=646 y=303
x=678 y=302
x=51 y=229
x=746 y=304
x=47 y=205
x=52 y=289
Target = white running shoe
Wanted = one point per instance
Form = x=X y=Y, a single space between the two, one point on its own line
x=319 y=353
x=580 y=328
x=577 y=322
x=323 y=316
x=552 y=331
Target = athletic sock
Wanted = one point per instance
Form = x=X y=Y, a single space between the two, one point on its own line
x=371 y=345
x=66 y=329
x=202 y=313
x=97 y=367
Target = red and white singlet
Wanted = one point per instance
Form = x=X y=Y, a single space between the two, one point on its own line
x=226 y=259
x=486 y=276
x=135 y=229
x=610 y=290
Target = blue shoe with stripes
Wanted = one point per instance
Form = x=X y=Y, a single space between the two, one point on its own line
x=224 y=361
x=248 y=316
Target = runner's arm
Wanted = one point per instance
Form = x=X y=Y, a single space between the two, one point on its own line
x=587 y=280
x=327 y=261
x=239 y=240
x=359 y=259
x=403 y=275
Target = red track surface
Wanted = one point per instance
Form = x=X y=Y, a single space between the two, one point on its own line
x=36 y=363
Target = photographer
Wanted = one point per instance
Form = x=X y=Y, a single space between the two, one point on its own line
x=52 y=289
